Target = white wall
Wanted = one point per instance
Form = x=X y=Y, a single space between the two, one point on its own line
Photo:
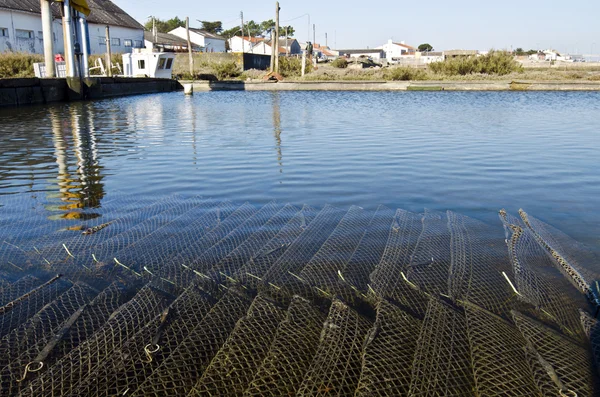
x=208 y=44
x=392 y=50
x=98 y=38
x=14 y=20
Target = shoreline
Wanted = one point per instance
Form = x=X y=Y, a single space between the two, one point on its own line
x=507 y=85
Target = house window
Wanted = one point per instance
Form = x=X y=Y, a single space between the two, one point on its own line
x=128 y=43
x=24 y=34
x=161 y=63
x=116 y=41
x=3 y=32
x=101 y=40
x=141 y=64
x=139 y=44
x=169 y=63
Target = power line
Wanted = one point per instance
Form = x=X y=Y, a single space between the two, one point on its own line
x=293 y=19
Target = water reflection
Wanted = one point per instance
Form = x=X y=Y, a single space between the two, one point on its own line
x=82 y=188
x=276 y=100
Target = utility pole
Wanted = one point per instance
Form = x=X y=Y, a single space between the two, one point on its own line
x=47 y=38
x=272 y=69
x=243 y=40
x=108 y=54
x=314 y=34
x=277 y=37
x=326 y=40
x=189 y=43
x=287 y=48
x=154 y=31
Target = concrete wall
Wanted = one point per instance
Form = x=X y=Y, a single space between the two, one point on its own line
x=21 y=92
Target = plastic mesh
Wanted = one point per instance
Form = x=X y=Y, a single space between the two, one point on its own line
x=388 y=354
x=18 y=289
x=258 y=265
x=127 y=368
x=405 y=231
x=174 y=269
x=63 y=376
x=232 y=369
x=324 y=268
x=478 y=258
x=177 y=374
x=229 y=243
x=565 y=363
x=20 y=309
x=303 y=248
x=369 y=252
x=499 y=359
x=591 y=327
x=442 y=361
x=166 y=253
x=233 y=262
x=429 y=266
x=291 y=353
x=336 y=367
x=542 y=285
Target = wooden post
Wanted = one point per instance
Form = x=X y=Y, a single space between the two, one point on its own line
x=243 y=41
x=189 y=43
x=303 y=62
x=287 y=48
x=277 y=37
x=272 y=68
x=108 y=54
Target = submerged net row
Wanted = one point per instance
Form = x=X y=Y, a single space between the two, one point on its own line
x=191 y=296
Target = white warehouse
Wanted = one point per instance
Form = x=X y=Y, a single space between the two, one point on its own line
x=21 y=27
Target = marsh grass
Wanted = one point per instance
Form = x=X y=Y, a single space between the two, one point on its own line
x=18 y=64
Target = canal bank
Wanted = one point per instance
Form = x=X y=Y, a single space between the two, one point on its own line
x=507 y=85
x=31 y=91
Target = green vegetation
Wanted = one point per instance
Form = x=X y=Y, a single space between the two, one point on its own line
x=164 y=26
x=425 y=47
x=520 y=52
x=226 y=70
x=292 y=67
x=215 y=27
x=340 y=63
x=18 y=64
x=493 y=63
x=404 y=73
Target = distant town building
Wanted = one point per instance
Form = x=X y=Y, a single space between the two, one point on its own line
x=243 y=44
x=375 y=54
x=166 y=42
x=394 y=51
x=460 y=53
x=208 y=41
x=21 y=27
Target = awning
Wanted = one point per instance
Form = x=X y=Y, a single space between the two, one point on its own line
x=79 y=5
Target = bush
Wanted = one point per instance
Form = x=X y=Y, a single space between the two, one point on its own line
x=226 y=70
x=403 y=73
x=292 y=67
x=494 y=63
x=341 y=63
x=18 y=64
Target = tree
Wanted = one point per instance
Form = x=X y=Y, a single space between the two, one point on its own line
x=267 y=26
x=215 y=27
x=164 y=26
x=290 y=31
x=425 y=47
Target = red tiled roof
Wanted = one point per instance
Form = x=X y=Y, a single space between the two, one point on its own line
x=405 y=46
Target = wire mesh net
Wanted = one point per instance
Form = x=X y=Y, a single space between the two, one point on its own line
x=127 y=368
x=64 y=376
x=202 y=297
x=566 y=366
x=336 y=367
x=178 y=373
x=388 y=354
x=233 y=367
x=291 y=352
x=498 y=355
x=442 y=362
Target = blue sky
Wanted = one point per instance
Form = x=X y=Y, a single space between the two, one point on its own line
x=468 y=24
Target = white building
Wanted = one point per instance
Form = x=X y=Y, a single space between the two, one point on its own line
x=21 y=27
x=243 y=44
x=208 y=41
x=374 y=54
x=394 y=51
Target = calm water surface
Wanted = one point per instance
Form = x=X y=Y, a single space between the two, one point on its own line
x=470 y=152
